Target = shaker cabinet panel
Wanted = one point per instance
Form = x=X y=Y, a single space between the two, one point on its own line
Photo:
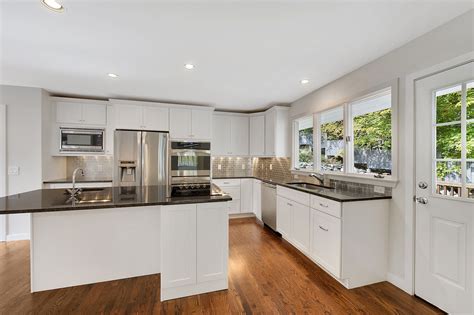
x=257 y=135
x=94 y=114
x=221 y=135
x=180 y=123
x=155 y=118
x=326 y=241
x=69 y=112
x=201 y=124
x=128 y=117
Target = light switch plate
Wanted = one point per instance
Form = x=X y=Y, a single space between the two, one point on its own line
x=14 y=170
x=219 y=167
x=271 y=167
x=379 y=189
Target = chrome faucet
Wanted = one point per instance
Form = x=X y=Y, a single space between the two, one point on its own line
x=75 y=191
x=318 y=176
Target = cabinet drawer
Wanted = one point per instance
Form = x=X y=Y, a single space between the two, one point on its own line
x=326 y=241
x=298 y=196
x=227 y=182
x=326 y=205
x=234 y=206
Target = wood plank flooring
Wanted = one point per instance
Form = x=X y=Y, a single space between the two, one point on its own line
x=266 y=276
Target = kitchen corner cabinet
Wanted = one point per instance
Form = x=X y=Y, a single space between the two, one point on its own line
x=257 y=135
x=190 y=124
x=141 y=117
x=257 y=198
x=277 y=132
x=194 y=249
x=349 y=240
x=230 y=136
x=83 y=112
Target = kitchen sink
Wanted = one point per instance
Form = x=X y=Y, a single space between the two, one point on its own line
x=309 y=186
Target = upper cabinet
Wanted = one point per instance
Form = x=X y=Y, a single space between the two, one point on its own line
x=257 y=135
x=81 y=112
x=191 y=124
x=230 y=134
x=277 y=132
x=141 y=117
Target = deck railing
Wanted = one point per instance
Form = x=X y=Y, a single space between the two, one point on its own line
x=454 y=190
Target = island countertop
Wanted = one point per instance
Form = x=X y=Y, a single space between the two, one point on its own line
x=48 y=200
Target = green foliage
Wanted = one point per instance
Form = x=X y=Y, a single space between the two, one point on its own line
x=306 y=155
x=448 y=107
x=333 y=130
x=443 y=169
x=373 y=130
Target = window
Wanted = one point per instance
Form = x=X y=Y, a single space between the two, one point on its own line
x=371 y=120
x=303 y=156
x=331 y=139
x=453 y=126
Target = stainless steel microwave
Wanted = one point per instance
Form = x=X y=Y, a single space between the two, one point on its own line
x=81 y=140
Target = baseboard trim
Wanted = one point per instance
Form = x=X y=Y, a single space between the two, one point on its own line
x=398 y=282
x=18 y=237
x=241 y=215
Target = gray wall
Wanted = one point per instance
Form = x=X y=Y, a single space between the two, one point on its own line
x=442 y=44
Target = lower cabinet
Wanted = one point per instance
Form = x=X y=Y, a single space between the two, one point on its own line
x=194 y=249
x=241 y=191
x=293 y=222
x=284 y=217
x=326 y=241
x=257 y=198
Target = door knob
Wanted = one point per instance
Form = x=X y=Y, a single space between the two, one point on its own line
x=423 y=185
x=421 y=200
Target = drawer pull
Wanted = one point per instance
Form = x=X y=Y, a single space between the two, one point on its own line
x=323 y=205
x=325 y=230
x=289 y=204
x=226 y=183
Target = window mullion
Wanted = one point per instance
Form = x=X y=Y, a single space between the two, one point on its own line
x=317 y=142
x=348 y=140
x=464 y=140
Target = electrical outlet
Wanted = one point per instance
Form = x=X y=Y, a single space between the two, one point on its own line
x=243 y=166
x=271 y=167
x=219 y=167
x=379 y=189
x=14 y=170
x=295 y=176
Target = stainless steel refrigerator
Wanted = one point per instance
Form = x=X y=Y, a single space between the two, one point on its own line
x=140 y=158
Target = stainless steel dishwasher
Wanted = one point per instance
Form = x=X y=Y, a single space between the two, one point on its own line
x=269 y=205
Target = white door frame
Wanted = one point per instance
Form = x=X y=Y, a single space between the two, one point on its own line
x=3 y=167
x=407 y=283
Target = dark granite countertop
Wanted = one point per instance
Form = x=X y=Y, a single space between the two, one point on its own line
x=78 y=180
x=49 y=200
x=340 y=195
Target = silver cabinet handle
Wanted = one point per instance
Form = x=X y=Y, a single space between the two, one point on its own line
x=421 y=200
x=226 y=183
x=325 y=230
x=323 y=205
x=289 y=204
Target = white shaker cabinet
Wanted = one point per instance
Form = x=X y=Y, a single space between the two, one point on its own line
x=230 y=136
x=301 y=226
x=246 y=195
x=190 y=124
x=257 y=198
x=77 y=111
x=284 y=217
x=155 y=118
x=135 y=115
x=277 y=133
x=257 y=135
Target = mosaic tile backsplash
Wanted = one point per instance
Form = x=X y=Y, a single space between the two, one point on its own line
x=277 y=169
x=100 y=167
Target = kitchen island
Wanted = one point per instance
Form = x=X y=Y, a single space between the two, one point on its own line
x=122 y=232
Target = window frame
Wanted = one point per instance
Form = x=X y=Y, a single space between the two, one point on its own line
x=295 y=156
x=387 y=180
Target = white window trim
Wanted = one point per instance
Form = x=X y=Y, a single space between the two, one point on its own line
x=387 y=181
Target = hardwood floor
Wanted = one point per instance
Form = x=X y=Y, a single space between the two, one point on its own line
x=266 y=276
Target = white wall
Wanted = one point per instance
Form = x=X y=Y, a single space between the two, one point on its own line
x=444 y=43
x=3 y=165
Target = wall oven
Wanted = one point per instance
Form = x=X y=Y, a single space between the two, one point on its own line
x=81 y=140
x=190 y=168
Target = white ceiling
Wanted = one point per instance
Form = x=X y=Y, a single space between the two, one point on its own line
x=248 y=54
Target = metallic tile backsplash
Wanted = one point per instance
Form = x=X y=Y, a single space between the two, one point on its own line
x=93 y=166
x=277 y=169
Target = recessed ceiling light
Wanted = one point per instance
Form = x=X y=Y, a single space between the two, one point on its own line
x=189 y=66
x=53 y=5
x=112 y=75
x=304 y=81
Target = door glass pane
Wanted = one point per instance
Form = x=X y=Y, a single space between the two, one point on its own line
x=448 y=178
x=448 y=142
x=470 y=141
x=372 y=127
x=470 y=179
x=305 y=143
x=332 y=140
x=448 y=105
x=470 y=100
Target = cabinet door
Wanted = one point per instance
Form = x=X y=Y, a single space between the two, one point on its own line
x=326 y=241
x=128 y=117
x=284 y=216
x=239 y=134
x=201 y=124
x=94 y=114
x=246 y=195
x=155 y=118
x=212 y=241
x=257 y=198
x=69 y=112
x=301 y=225
x=257 y=135
x=178 y=245
x=180 y=123
x=270 y=118
x=220 y=135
